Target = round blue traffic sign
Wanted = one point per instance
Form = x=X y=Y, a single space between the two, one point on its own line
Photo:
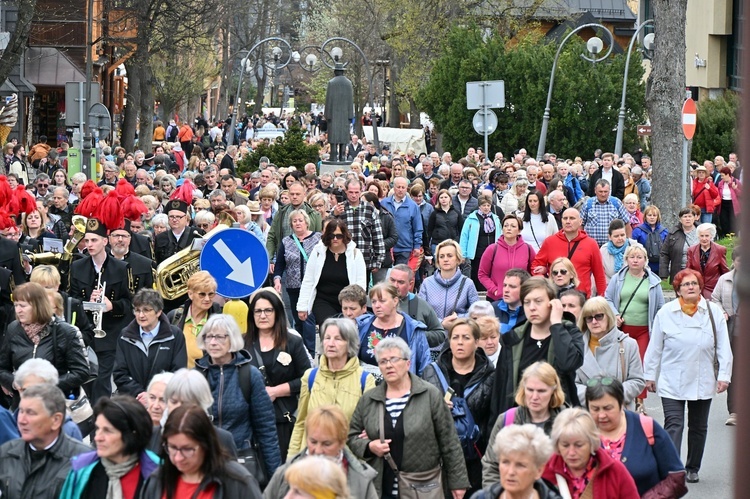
x=238 y=261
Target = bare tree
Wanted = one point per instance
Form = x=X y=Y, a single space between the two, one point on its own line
x=664 y=102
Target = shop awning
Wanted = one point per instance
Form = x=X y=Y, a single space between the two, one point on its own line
x=49 y=67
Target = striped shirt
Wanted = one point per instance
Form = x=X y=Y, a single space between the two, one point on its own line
x=394 y=407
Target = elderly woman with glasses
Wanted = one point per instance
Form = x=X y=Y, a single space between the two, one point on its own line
x=405 y=425
x=338 y=380
x=608 y=352
x=193 y=314
x=581 y=467
x=241 y=404
x=326 y=429
x=149 y=344
x=690 y=351
x=639 y=442
x=159 y=223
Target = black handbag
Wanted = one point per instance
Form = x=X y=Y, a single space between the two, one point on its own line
x=252 y=459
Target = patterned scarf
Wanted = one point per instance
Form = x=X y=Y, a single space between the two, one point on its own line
x=489 y=223
x=33 y=331
x=688 y=308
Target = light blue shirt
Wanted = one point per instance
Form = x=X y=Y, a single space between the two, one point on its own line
x=148 y=336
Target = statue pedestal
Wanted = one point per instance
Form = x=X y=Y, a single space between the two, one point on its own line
x=332 y=166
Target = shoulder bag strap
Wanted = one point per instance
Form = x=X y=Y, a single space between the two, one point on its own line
x=301 y=249
x=261 y=367
x=441 y=377
x=645 y=276
x=460 y=289
x=713 y=328
x=533 y=234
x=388 y=458
x=622 y=359
x=573 y=249
x=562 y=486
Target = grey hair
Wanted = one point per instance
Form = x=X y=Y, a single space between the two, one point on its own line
x=223 y=323
x=41 y=368
x=602 y=183
x=217 y=193
x=204 y=216
x=164 y=377
x=79 y=177
x=189 y=387
x=575 y=422
x=524 y=439
x=392 y=343
x=556 y=194
x=51 y=397
x=61 y=190
x=707 y=227
x=481 y=308
x=149 y=298
x=348 y=331
x=160 y=219
x=302 y=213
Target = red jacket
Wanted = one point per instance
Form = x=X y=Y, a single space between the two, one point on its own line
x=497 y=259
x=611 y=479
x=586 y=258
x=716 y=266
x=704 y=197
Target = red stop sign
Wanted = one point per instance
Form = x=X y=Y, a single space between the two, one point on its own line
x=689 y=118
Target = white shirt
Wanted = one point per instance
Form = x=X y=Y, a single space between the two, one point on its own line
x=681 y=352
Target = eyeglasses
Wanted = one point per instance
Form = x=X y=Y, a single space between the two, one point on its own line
x=337 y=236
x=120 y=236
x=187 y=452
x=560 y=272
x=203 y=295
x=138 y=311
x=606 y=381
x=392 y=361
x=204 y=226
x=263 y=311
x=221 y=338
x=176 y=217
x=691 y=284
x=595 y=317
x=42 y=185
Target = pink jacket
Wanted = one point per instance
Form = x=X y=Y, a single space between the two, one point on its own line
x=736 y=190
x=500 y=257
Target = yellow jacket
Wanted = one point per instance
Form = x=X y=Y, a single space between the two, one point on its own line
x=342 y=388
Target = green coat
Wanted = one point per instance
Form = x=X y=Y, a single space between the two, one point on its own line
x=280 y=227
x=430 y=436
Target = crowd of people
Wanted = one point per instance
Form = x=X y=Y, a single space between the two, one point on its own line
x=486 y=327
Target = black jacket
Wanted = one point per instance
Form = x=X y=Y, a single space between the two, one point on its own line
x=165 y=244
x=75 y=315
x=136 y=364
x=234 y=483
x=390 y=236
x=7 y=313
x=142 y=270
x=117 y=275
x=142 y=245
x=479 y=399
x=544 y=491
x=10 y=258
x=565 y=355
x=617 y=189
x=670 y=257
x=444 y=225
x=59 y=344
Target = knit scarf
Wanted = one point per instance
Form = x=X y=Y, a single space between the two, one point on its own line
x=33 y=331
x=489 y=223
x=115 y=472
x=618 y=253
x=688 y=308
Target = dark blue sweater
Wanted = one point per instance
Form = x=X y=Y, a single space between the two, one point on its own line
x=648 y=464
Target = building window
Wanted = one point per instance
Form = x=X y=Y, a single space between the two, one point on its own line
x=734 y=54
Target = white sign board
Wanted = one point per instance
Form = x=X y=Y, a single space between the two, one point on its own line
x=490 y=94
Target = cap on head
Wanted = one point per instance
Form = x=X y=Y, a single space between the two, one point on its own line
x=96 y=226
x=177 y=205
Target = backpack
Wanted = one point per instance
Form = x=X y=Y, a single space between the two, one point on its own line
x=314 y=372
x=173 y=131
x=466 y=427
x=653 y=246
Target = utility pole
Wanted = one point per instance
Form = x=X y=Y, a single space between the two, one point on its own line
x=86 y=140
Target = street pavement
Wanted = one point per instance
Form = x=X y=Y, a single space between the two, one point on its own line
x=717 y=471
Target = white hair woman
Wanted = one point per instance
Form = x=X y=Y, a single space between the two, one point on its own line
x=708 y=258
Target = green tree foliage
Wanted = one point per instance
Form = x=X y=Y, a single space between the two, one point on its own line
x=289 y=150
x=716 y=129
x=585 y=100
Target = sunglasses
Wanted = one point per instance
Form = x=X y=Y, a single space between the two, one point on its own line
x=595 y=317
x=606 y=381
x=337 y=236
x=560 y=272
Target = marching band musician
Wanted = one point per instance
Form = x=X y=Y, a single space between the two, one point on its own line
x=179 y=236
x=140 y=266
x=132 y=209
x=85 y=276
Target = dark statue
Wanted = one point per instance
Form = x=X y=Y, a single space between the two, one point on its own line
x=339 y=112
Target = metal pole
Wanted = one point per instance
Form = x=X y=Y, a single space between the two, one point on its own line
x=86 y=142
x=621 y=118
x=684 y=171
x=484 y=118
x=233 y=122
x=545 y=118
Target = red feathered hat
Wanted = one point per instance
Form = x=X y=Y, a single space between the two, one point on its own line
x=124 y=188
x=22 y=202
x=6 y=221
x=133 y=207
x=110 y=211
x=6 y=193
x=89 y=205
x=89 y=187
x=184 y=192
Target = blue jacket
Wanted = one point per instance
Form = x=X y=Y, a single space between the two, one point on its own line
x=255 y=422
x=648 y=464
x=408 y=224
x=8 y=428
x=508 y=320
x=640 y=234
x=83 y=464
x=443 y=295
x=470 y=234
x=574 y=185
x=415 y=338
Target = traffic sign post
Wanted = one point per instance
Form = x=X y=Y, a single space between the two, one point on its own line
x=485 y=95
x=644 y=130
x=237 y=260
x=689 y=121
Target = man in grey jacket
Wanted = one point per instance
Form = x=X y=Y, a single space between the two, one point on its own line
x=37 y=464
x=402 y=277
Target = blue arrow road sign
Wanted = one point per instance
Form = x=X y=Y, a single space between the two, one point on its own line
x=237 y=260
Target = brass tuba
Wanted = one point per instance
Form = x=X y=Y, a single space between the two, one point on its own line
x=50 y=258
x=173 y=273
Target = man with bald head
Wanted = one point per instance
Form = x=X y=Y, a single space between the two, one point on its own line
x=574 y=244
